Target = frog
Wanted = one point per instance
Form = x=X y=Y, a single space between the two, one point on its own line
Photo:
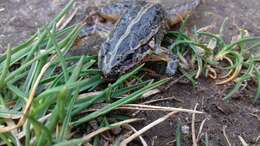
x=133 y=32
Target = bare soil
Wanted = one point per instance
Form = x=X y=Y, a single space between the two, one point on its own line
x=21 y=18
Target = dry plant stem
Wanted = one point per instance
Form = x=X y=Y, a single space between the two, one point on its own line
x=140 y=137
x=194 y=140
x=206 y=28
x=60 y=23
x=200 y=130
x=2 y=9
x=151 y=108
x=225 y=135
x=233 y=76
x=173 y=82
x=101 y=130
x=162 y=99
x=165 y=108
x=242 y=141
x=33 y=91
x=87 y=95
x=90 y=94
x=231 y=64
x=67 y=21
x=146 y=128
x=213 y=73
x=150 y=93
x=30 y=99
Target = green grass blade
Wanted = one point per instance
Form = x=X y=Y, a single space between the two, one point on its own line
x=63 y=11
x=18 y=92
x=76 y=71
x=65 y=125
x=19 y=47
x=5 y=70
x=178 y=134
x=41 y=131
x=233 y=91
x=118 y=103
x=72 y=142
x=258 y=86
x=60 y=55
x=41 y=36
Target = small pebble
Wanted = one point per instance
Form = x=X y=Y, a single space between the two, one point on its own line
x=185 y=129
x=116 y=131
x=2 y=9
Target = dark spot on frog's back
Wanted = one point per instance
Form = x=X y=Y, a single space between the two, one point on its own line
x=149 y=21
x=122 y=25
x=142 y=30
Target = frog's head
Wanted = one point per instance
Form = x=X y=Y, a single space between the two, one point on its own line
x=113 y=63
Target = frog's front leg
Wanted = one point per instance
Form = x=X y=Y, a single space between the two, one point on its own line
x=164 y=53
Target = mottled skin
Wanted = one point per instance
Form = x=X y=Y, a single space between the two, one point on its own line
x=138 y=32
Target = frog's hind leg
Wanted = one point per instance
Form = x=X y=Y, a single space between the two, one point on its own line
x=115 y=10
x=102 y=19
x=176 y=15
x=164 y=53
x=171 y=59
x=98 y=28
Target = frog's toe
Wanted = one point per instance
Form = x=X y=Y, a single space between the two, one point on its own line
x=172 y=66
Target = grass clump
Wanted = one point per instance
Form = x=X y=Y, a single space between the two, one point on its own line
x=40 y=84
x=206 y=54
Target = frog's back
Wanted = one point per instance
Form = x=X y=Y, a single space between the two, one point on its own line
x=134 y=29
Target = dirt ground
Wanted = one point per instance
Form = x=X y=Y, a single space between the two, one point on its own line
x=21 y=18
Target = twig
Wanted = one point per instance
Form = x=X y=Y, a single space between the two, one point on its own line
x=206 y=28
x=101 y=130
x=161 y=99
x=242 y=141
x=150 y=93
x=140 y=137
x=225 y=135
x=157 y=100
x=145 y=95
x=165 y=108
x=200 y=130
x=87 y=95
x=66 y=22
x=146 y=128
x=150 y=108
x=174 y=82
x=194 y=140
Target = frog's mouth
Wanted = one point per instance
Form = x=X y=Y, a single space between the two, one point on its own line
x=130 y=61
x=134 y=59
x=127 y=63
